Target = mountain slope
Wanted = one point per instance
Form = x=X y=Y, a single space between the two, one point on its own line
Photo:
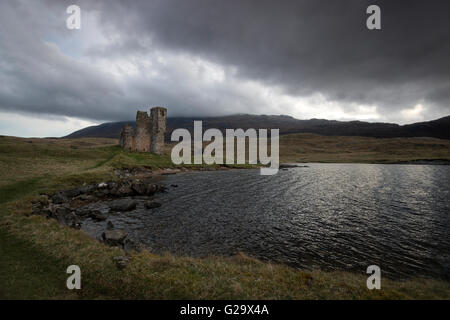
x=439 y=128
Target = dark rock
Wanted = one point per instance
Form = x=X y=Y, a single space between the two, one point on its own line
x=45 y=212
x=114 y=192
x=38 y=209
x=86 y=197
x=83 y=212
x=59 y=198
x=98 y=215
x=139 y=187
x=121 y=261
x=61 y=213
x=103 y=192
x=151 y=189
x=174 y=185
x=124 y=190
x=114 y=237
x=123 y=205
x=67 y=217
x=87 y=188
x=109 y=225
x=71 y=193
x=112 y=185
x=152 y=204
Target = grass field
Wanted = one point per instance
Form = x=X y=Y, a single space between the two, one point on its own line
x=315 y=148
x=35 y=251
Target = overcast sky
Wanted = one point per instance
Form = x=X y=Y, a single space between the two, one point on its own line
x=307 y=59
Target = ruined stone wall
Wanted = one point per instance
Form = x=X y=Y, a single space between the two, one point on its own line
x=142 y=135
x=126 y=138
x=158 y=118
x=149 y=134
x=121 y=138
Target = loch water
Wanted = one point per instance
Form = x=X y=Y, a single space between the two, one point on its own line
x=324 y=216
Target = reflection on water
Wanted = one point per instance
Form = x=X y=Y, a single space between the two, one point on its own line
x=327 y=216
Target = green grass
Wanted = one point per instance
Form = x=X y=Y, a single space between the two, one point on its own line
x=27 y=273
x=113 y=151
x=14 y=190
x=36 y=251
x=316 y=148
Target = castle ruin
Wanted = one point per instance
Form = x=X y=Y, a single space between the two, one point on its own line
x=142 y=133
x=149 y=133
x=158 y=118
x=126 y=138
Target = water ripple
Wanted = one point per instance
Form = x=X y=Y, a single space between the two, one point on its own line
x=327 y=216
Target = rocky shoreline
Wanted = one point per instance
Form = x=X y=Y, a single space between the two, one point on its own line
x=134 y=187
x=71 y=207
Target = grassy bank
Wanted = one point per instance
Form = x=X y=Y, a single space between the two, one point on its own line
x=316 y=148
x=35 y=251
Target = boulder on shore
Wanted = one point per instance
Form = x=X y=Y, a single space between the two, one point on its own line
x=59 y=198
x=66 y=217
x=114 y=237
x=98 y=215
x=109 y=226
x=139 y=187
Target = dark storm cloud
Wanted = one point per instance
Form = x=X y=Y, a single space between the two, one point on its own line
x=309 y=46
x=36 y=76
x=299 y=47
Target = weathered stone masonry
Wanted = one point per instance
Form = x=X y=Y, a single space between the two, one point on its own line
x=126 y=138
x=149 y=135
x=142 y=134
x=158 y=118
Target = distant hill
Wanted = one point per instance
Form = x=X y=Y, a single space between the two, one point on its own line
x=439 y=128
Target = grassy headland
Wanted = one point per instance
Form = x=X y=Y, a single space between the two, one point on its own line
x=36 y=251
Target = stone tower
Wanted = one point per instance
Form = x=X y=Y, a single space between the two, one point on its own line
x=158 y=118
x=149 y=134
x=126 y=138
x=142 y=134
